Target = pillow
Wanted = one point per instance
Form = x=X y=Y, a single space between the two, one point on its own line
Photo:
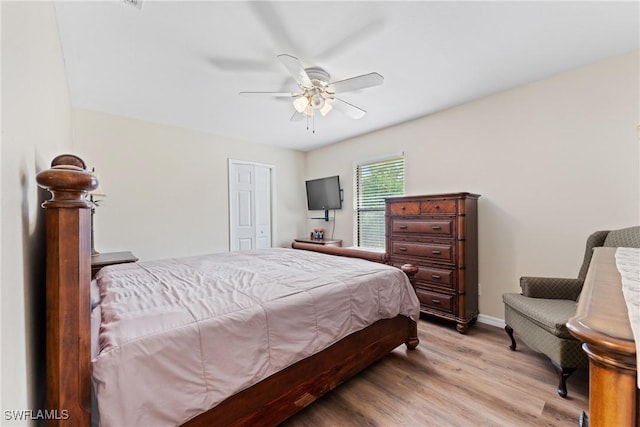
x=96 y=318
x=94 y=293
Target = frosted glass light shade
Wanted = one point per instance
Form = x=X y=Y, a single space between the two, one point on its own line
x=300 y=104
x=325 y=108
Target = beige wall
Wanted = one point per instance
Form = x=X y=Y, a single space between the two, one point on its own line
x=35 y=127
x=167 y=188
x=553 y=160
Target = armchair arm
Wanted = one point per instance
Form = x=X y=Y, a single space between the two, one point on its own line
x=551 y=287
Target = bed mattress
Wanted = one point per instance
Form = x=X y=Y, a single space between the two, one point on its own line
x=179 y=336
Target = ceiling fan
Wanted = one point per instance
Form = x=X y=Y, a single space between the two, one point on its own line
x=317 y=92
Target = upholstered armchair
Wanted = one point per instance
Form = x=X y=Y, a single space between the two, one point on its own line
x=540 y=313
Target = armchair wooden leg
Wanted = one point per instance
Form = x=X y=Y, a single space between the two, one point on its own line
x=563 y=374
x=584 y=420
x=509 y=330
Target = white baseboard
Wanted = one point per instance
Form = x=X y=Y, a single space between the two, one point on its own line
x=489 y=320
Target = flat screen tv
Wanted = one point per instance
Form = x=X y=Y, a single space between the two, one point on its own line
x=324 y=194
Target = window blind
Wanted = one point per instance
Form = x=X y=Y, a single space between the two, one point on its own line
x=373 y=182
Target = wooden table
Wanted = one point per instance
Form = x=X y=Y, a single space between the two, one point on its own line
x=602 y=324
x=110 y=258
x=324 y=242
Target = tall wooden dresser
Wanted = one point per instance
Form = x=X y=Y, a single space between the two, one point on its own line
x=439 y=234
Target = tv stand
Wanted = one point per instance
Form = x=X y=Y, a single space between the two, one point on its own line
x=323 y=242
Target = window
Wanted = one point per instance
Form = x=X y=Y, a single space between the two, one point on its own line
x=373 y=182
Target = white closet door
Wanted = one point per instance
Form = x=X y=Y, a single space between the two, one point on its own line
x=249 y=206
x=262 y=198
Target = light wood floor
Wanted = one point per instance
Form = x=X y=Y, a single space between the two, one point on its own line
x=453 y=380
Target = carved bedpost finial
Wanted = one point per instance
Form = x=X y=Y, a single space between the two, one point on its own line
x=410 y=270
x=68 y=182
x=68 y=159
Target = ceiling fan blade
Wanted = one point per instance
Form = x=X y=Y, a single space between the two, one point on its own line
x=270 y=94
x=355 y=83
x=270 y=16
x=230 y=64
x=359 y=32
x=296 y=70
x=347 y=108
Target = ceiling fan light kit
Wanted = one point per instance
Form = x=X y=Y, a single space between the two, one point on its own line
x=318 y=93
x=300 y=104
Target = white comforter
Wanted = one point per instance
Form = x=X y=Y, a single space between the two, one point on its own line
x=179 y=336
x=628 y=265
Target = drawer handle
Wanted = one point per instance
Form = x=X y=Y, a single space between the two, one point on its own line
x=436 y=252
x=436 y=227
x=403 y=227
x=436 y=276
x=435 y=301
x=403 y=249
x=437 y=206
x=403 y=208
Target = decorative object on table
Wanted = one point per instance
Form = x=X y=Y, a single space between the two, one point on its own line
x=318 y=233
x=95 y=197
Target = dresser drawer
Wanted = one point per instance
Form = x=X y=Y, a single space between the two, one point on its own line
x=435 y=276
x=438 y=206
x=404 y=208
x=435 y=300
x=441 y=227
x=423 y=250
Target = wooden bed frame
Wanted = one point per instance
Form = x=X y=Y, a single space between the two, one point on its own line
x=68 y=341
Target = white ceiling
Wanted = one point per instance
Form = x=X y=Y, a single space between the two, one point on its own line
x=183 y=63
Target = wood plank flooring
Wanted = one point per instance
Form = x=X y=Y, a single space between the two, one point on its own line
x=453 y=380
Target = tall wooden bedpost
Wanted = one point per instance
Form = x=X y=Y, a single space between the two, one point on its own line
x=412 y=341
x=68 y=345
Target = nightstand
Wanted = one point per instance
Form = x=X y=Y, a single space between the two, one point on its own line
x=324 y=242
x=110 y=258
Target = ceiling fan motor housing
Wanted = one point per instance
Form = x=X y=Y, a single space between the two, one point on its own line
x=320 y=79
x=318 y=74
